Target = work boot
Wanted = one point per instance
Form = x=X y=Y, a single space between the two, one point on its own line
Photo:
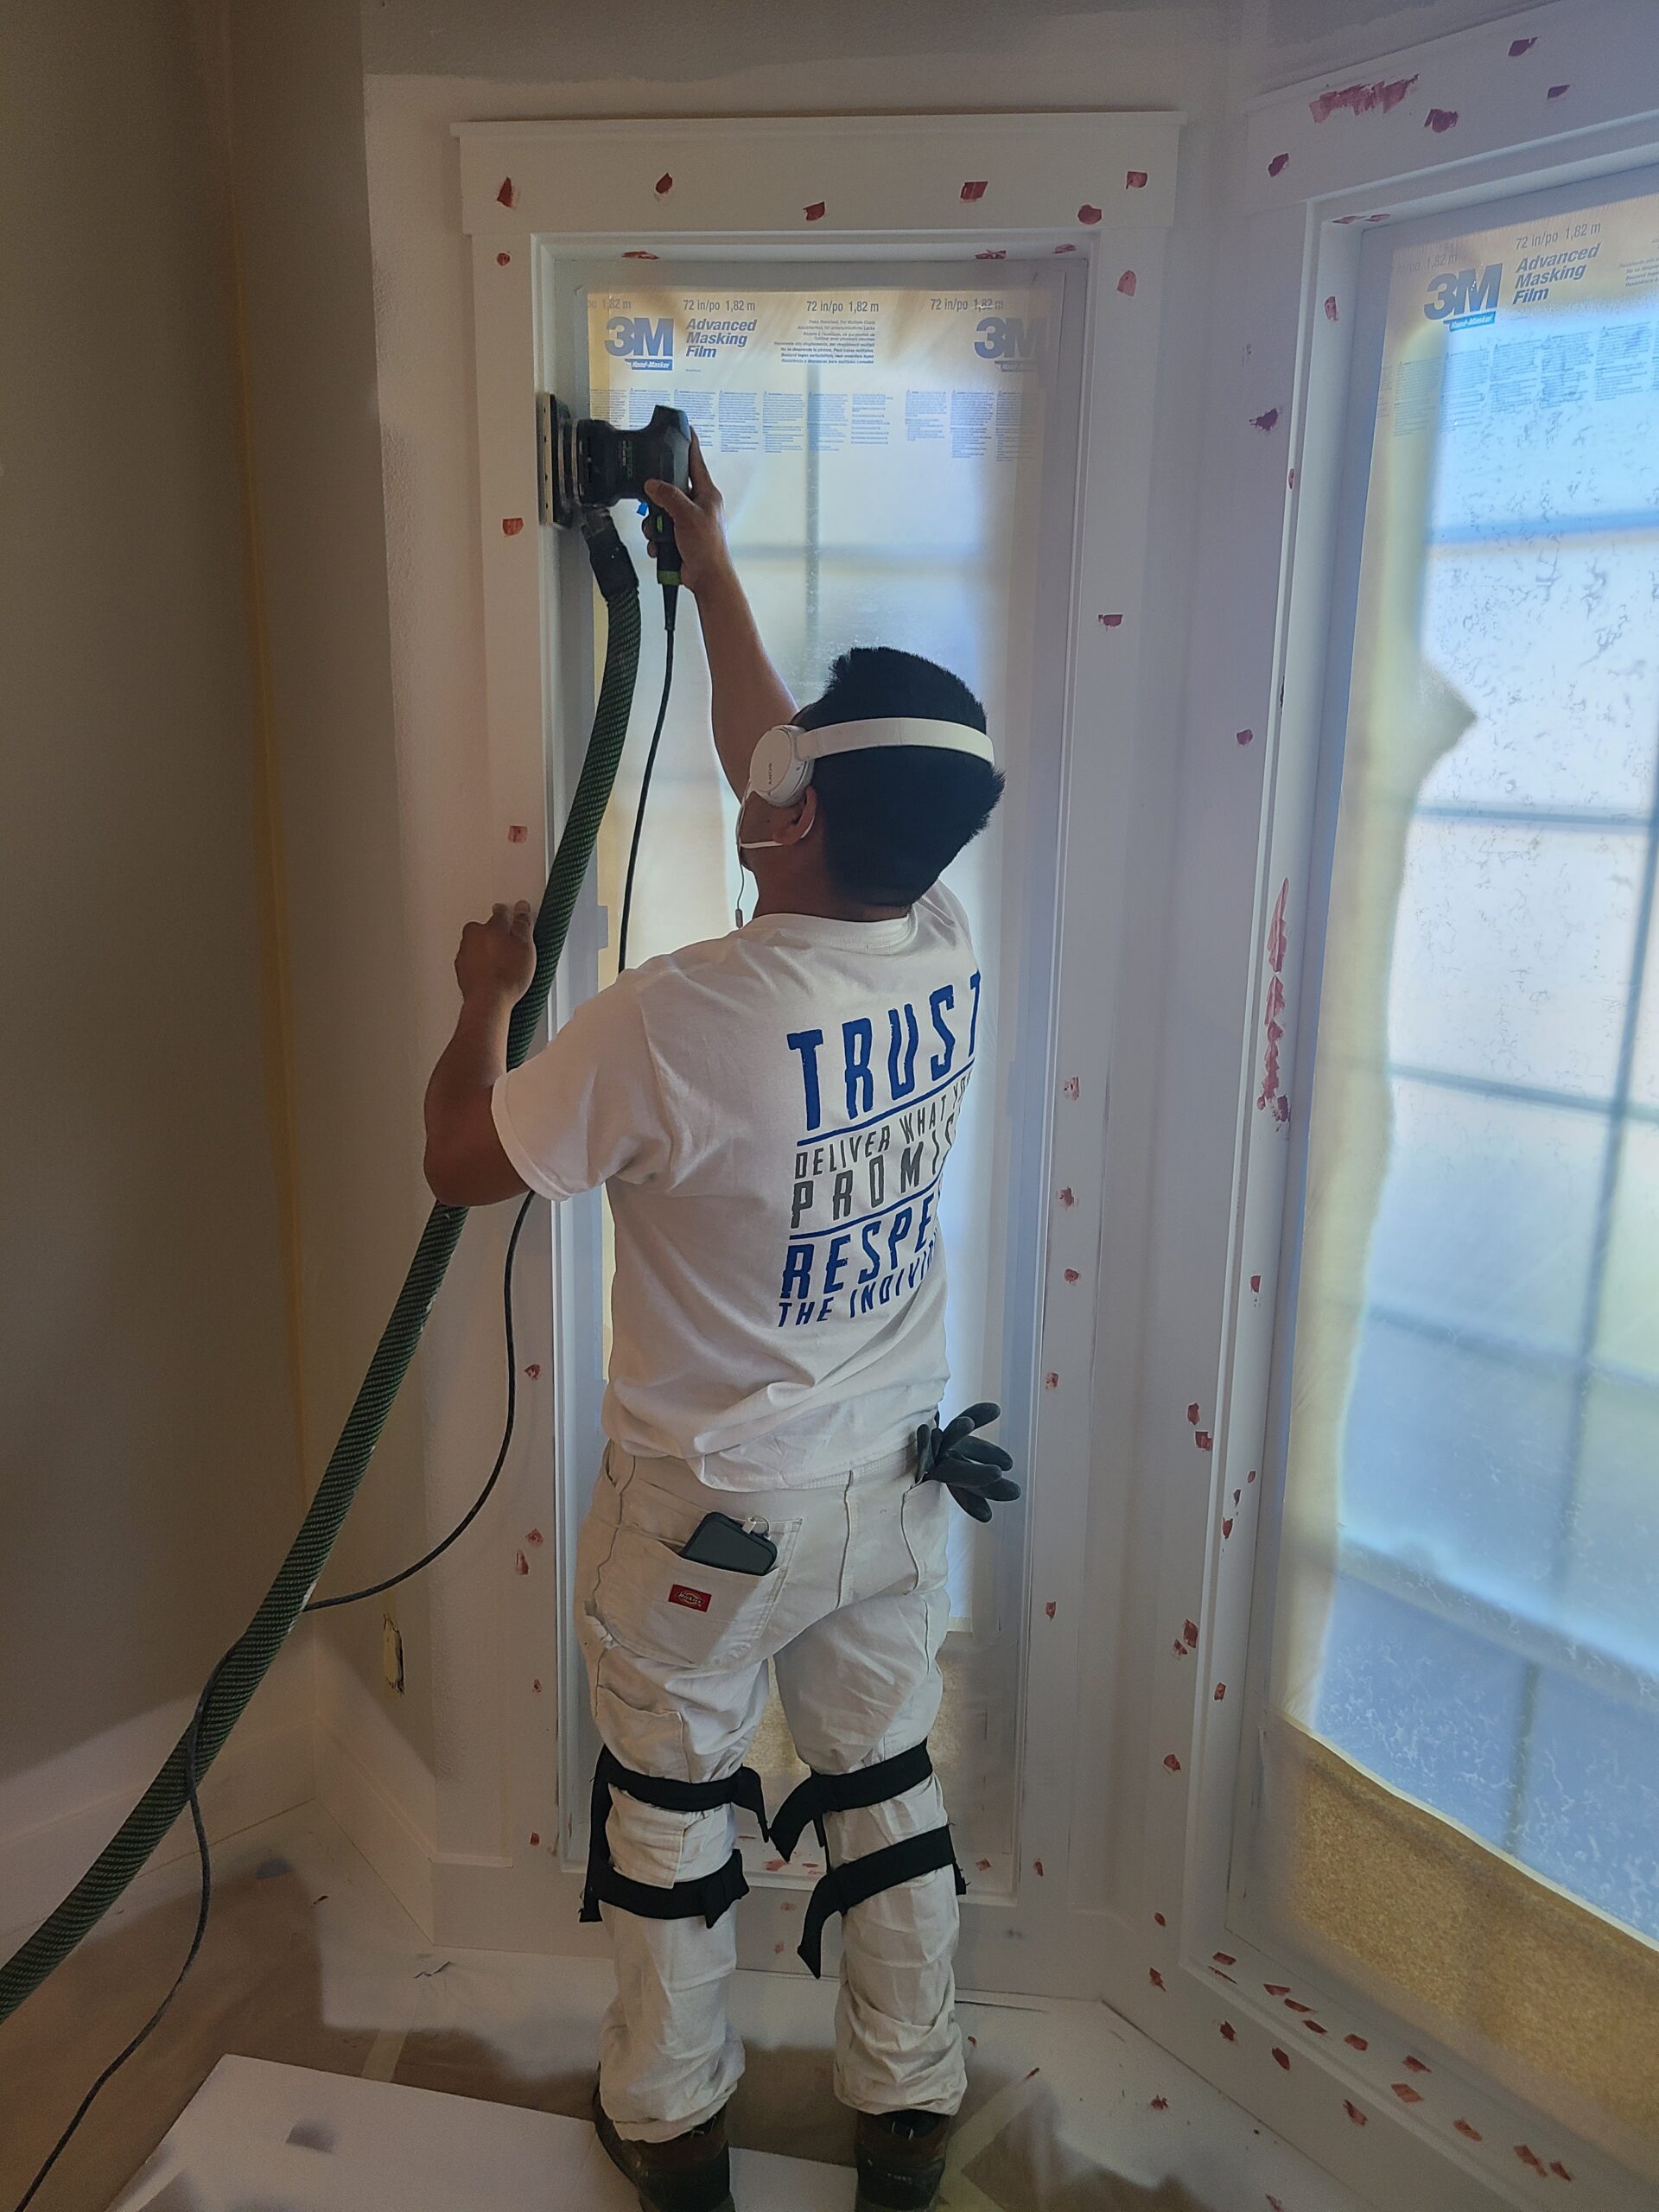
x=689 y=2173
x=901 y=2160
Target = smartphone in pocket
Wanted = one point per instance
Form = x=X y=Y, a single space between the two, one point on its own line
x=718 y=1540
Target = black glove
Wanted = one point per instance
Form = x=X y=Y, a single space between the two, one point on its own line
x=974 y=1473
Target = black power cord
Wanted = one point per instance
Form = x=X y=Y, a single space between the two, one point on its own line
x=671 y=602
x=192 y=1778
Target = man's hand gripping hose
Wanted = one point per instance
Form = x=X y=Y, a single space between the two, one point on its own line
x=976 y=1475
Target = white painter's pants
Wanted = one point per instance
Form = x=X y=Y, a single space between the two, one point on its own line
x=853 y=1615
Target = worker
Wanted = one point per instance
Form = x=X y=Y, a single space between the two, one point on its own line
x=771 y=1113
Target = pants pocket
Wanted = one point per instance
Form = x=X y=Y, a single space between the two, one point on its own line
x=925 y=1519
x=679 y=1611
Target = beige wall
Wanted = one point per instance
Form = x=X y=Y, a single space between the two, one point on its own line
x=302 y=206
x=148 y=1472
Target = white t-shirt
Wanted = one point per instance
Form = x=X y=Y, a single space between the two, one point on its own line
x=771 y=1111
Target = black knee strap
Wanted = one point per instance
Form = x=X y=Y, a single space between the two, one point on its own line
x=845 y=1793
x=706 y=1898
x=842 y=1887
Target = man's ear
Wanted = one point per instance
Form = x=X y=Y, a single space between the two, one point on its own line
x=801 y=819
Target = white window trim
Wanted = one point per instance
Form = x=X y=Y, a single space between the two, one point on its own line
x=1221 y=1248
x=892 y=188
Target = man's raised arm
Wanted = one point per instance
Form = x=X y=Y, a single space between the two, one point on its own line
x=749 y=695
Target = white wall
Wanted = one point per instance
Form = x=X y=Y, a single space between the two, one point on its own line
x=147 y=1471
x=430 y=65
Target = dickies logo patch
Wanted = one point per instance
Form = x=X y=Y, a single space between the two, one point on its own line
x=681 y=1594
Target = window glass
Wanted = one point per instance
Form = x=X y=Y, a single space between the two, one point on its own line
x=879 y=448
x=1470 y=1585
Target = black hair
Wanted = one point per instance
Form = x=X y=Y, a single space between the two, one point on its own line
x=893 y=819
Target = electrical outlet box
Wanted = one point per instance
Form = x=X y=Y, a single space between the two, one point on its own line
x=391 y=1653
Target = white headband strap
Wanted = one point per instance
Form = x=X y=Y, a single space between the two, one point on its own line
x=893 y=730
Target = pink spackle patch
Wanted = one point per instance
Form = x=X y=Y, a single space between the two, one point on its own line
x=1406 y=2094
x=640 y=253
x=1223 y=1958
x=1134 y=180
x=1357 y=2043
x=1126 y=283
x=1068 y=1197
x=1161 y=1921
x=1221 y=1692
x=1440 y=118
x=1360 y=100
x=974 y=191
x=1051 y=1608
x=1290 y=480
x=983 y=1864
x=1073 y=1088
x=1276 y=1988
x=1353 y=2111
x=1190 y=1634
x=1520 y=45
x=663 y=184
x=1265 y=423
x=511 y=525
x=520 y=1564
x=1463 y=2127
x=1180 y=1650
x=534 y=1371
x=1559 y=2171
x=1226 y=1529
x=1067 y=248
x=1281 y=2058
x=815 y=212
x=1204 y=1441
x=1255 y=1284
x=1556 y=91
x=1227 y=2032
x=1272 y=1014
x=1416 y=2066
x=535 y=1537
x=1111 y=621
x=1050 y=1382
x=1292 y=2005
x=1243 y=737
x=779 y=1948
x=506 y=195
x=1331 y=307
x=1154 y=1977
x=1088 y=213
x=1037 y=1864
x=1161 y=2104
x=1193 y=1414
x=776 y=1865
x=1250 y=1478
x=1220 y=1976
x=992 y=253
x=517 y=833
x=502 y=260
x=1071 y=1275
x=1279 y=164
x=535 y=1837
x=1171 y=1762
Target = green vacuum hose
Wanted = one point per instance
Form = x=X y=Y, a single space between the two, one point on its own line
x=245 y=1666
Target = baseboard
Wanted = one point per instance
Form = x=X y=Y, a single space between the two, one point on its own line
x=399 y=1854
x=262 y=1771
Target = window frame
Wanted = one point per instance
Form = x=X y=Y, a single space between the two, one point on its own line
x=740 y=191
x=1224 y=1243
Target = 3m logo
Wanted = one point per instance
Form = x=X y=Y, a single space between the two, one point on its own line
x=680 y=1595
x=1464 y=291
x=642 y=343
x=1010 y=341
